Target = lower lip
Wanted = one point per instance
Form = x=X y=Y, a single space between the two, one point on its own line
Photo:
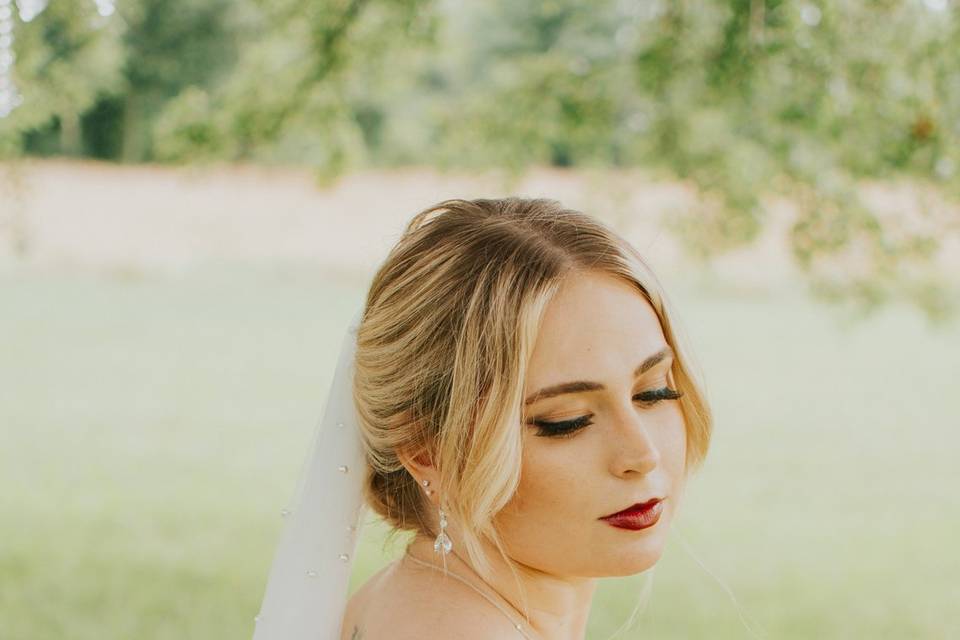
x=636 y=520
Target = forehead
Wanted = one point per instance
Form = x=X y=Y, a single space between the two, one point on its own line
x=597 y=327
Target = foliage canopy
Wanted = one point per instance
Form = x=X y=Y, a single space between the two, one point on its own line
x=742 y=98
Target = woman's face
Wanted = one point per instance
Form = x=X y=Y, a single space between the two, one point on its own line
x=600 y=331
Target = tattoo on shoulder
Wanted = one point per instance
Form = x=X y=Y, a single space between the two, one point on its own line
x=356 y=634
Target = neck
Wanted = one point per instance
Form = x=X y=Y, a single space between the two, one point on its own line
x=558 y=607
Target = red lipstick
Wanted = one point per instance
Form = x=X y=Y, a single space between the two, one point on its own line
x=638 y=516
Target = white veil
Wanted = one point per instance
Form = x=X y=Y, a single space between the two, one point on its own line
x=307 y=589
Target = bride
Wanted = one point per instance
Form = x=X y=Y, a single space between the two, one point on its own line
x=514 y=392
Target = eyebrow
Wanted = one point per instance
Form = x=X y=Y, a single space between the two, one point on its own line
x=586 y=385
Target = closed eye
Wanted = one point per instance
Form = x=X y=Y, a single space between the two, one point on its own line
x=568 y=427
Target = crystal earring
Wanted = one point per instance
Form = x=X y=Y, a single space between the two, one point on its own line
x=443 y=544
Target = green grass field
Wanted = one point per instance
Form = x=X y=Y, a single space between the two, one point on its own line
x=152 y=427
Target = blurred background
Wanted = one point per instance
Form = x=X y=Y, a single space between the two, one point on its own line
x=194 y=195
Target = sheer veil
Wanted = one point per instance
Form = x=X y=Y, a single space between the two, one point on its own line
x=306 y=591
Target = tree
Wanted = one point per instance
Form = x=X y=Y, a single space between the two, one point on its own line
x=171 y=46
x=744 y=99
x=290 y=96
x=66 y=57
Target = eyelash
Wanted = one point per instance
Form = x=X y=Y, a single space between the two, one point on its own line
x=568 y=427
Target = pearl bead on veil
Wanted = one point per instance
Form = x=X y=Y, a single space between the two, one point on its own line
x=306 y=591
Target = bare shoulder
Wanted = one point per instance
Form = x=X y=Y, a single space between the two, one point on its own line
x=356 y=614
x=355 y=634
x=448 y=625
x=435 y=629
x=412 y=605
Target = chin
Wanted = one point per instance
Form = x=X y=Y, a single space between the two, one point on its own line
x=636 y=556
x=635 y=563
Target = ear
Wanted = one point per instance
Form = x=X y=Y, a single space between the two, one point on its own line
x=420 y=466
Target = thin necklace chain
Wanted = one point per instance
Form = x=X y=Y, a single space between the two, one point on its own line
x=516 y=625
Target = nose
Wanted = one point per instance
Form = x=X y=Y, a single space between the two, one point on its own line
x=634 y=445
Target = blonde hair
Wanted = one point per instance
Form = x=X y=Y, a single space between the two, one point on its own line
x=449 y=326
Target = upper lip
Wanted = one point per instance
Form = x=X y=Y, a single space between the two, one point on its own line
x=635 y=505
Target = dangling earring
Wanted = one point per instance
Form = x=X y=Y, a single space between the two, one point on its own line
x=442 y=544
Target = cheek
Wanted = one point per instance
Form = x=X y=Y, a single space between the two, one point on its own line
x=555 y=496
x=673 y=441
x=548 y=479
x=551 y=489
x=672 y=445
